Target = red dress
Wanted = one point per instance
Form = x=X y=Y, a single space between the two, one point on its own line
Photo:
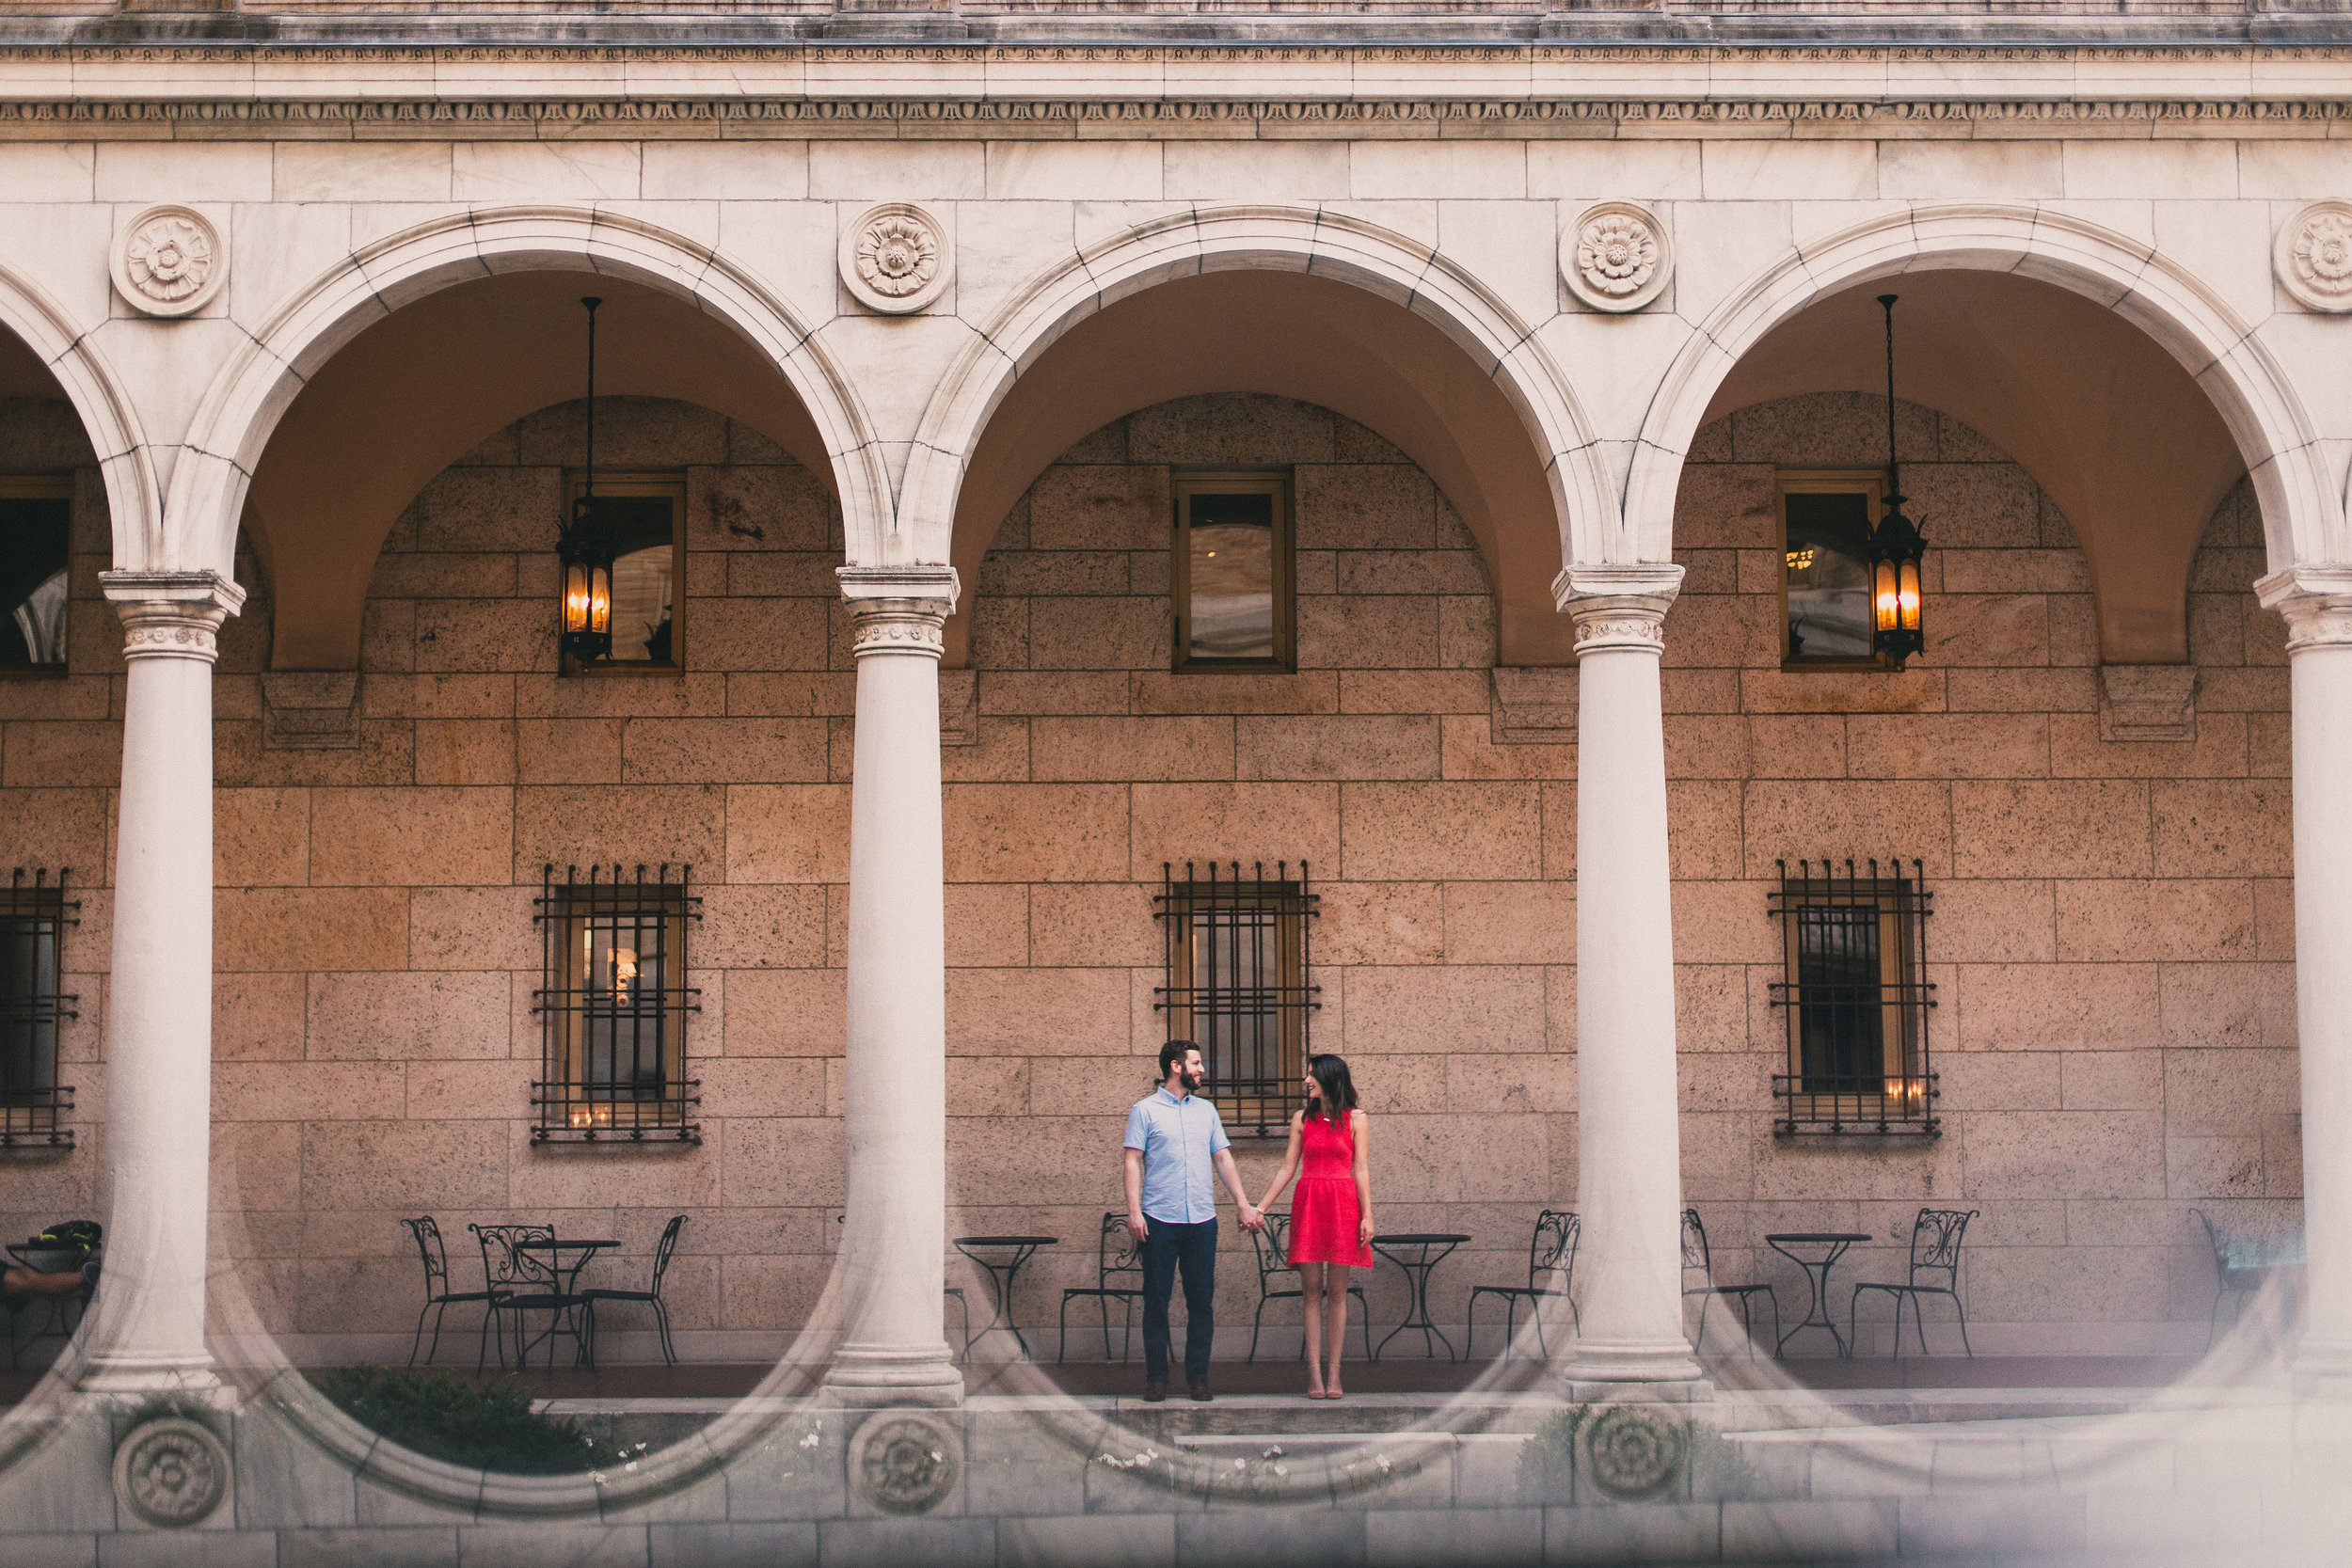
x=1325 y=1215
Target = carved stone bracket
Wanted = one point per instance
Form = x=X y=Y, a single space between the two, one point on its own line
x=1533 y=707
x=169 y=261
x=896 y=259
x=2147 y=701
x=2314 y=256
x=959 y=708
x=309 y=710
x=1617 y=257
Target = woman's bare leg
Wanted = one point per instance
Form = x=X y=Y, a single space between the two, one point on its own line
x=1311 y=1313
x=1335 y=1324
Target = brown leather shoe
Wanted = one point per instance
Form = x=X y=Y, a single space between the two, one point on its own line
x=1155 y=1392
x=1199 y=1389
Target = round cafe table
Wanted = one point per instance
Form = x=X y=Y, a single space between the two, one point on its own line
x=1000 y=1274
x=1418 y=1252
x=1831 y=1245
x=567 y=1284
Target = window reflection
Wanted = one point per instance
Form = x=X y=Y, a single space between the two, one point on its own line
x=33 y=531
x=1828 y=567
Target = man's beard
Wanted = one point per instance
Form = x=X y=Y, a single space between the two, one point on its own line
x=1191 y=1080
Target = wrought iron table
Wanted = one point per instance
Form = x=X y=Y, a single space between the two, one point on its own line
x=1817 y=1274
x=54 y=1325
x=1001 y=1274
x=556 y=1247
x=1426 y=1249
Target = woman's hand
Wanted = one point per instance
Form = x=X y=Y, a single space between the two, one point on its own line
x=1364 y=1232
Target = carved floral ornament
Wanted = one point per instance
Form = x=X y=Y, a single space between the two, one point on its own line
x=171 y=1472
x=169 y=261
x=1617 y=257
x=2314 y=256
x=896 y=259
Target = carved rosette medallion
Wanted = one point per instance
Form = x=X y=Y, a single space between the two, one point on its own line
x=1630 y=1452
x=171 y=1472
x=1617 y=257
x=2314 y=257
x=170 y=261
x=896 y=259
x=899 y=627
x=904 y=1464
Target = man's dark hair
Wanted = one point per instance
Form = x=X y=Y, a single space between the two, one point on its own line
x=1172 y=1054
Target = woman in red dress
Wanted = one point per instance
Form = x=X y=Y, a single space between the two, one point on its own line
x=1332 y=1212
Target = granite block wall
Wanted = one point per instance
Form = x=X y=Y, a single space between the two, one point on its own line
x=2115 y=1032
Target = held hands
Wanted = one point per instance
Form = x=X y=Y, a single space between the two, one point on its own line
x=1136 y=1226
x=1252 y=1219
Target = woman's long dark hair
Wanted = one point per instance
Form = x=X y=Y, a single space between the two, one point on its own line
x=1339 y=1089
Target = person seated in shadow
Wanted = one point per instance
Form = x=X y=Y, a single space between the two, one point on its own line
x=18 y=1286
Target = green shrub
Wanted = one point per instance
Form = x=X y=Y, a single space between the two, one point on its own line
x=487 y=1427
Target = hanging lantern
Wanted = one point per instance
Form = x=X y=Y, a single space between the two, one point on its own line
x=1895 y=546
x=584 y=545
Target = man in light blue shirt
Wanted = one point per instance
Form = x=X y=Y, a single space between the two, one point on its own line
x=1174 y=1139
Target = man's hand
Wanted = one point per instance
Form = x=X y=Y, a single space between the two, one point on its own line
x=1136 y=1226
x=1252 y=1218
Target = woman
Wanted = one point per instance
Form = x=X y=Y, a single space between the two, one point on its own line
x=1332 y=1215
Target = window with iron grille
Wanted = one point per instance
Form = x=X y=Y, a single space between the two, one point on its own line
x=32 y=929
x=1857 y=999
x=612 y=1007
x=1237 y=952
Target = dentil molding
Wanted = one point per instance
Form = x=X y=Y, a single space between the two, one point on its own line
x=896 y=259
x=169 y=261
x=1617 y=257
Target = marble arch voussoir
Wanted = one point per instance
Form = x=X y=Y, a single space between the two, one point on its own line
x=240 y=409
x=2171 y=306
x=1315 y=241
x=109 y=416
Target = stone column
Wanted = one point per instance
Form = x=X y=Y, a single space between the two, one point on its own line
x=1629 y=1160
x=149 y=1329
x=2317 y=605
x=893 y=1351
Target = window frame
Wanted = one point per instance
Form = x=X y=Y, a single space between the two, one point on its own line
x=1184 y=484
x=30 y=1115
x=1868 y=482
x=653 y=482
x=46 y=486
x=1902 y=904
x=565 y=1102
x=1257 y=1105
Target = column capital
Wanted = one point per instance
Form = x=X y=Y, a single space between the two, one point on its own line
x=171 y=614
x=2315 y=602
x=1617 y=605
x=898 y=609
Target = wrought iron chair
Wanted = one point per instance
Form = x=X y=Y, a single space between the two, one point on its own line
x=1550 y=1256
x=438 y=1297
x=523 y=1280
x=1118 y=1276
x=2243 y=1280
x=650 y=1296
x=1697 y=1259
x=1271 y=1242
x=1935 y=1238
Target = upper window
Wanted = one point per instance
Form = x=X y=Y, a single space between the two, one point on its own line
x=1237 y=952
x=1825 y=528
x=647 y=515
x=1233 y=572
x=35 y=515
x=612 y=1007
x=33 y=918
x=1857 y=996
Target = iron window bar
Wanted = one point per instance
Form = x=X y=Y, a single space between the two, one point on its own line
x=1237 y=952
x=32 y=937
x=1858 y=1000
x=612 y=1009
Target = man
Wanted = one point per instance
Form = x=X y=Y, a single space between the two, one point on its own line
x=1174 y=1139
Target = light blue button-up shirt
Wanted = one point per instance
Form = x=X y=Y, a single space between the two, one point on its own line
x=1179 y=1138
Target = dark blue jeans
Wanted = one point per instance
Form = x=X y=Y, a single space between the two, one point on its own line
x=1166 y=1249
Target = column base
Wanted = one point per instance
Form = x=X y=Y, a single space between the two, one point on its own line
x=1615 y=1370
x=2321 y=1371
x=111 y=1376
x=873 y=1380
